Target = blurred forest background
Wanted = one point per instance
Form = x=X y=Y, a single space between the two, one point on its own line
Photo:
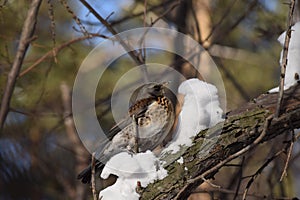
x=40 y=154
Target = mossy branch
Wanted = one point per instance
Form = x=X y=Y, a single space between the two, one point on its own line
x=245 y=127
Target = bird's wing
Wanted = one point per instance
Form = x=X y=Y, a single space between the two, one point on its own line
x=118 y=127
x=140 y=107
x=137 y=110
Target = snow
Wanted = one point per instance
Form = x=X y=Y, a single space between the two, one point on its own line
x=293 y=64
x=131 y=168
x=200 y=110
x=180 y=160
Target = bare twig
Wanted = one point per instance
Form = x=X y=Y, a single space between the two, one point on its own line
x=57 y=50
x=240 y=174
x=177 y=3
x=131 y=16
x=231 y=157
x=224 y=16
x=52 y=27
x=93 y=164
x=284 y=172
x=142 y=40
x=284 y=60
x=25 y=39
x=259 y=171
x=239 y=19
x=157 y=19
x=76 y=19
x=132 y=53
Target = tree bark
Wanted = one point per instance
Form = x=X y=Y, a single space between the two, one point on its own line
x=243 y=128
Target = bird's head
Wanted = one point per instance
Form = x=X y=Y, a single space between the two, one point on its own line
x=149 y=90
x=157 y=89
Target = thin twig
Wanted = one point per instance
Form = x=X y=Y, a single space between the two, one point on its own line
x=76 y=19
x=240 y=172
x=177 y=3
x=52 y=26
x=131 y=16
x=93 y=164
x=229 y=158
x=157 y=19
x=57 y=50
x=284 y=60
x=218 y=24
x=142 y=40
x=128 y=48
x=259 y=171
x=25 y=39
x=220 y=36
x=284 y=172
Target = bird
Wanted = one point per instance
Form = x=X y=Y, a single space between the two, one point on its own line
x=149 y=120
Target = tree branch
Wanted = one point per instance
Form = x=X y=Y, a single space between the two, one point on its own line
x=136 y=57
x=56 y=50
x=244 y=128
x=26 y=38
x=284 y=60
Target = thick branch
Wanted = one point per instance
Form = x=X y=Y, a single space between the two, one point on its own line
x=253 y=123
x=26 y=38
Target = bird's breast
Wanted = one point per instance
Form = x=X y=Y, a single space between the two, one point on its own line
x=155 y=120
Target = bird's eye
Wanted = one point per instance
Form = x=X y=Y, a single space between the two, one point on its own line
x=156 y=88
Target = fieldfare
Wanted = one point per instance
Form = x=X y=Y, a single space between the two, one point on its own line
x=149 y=120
